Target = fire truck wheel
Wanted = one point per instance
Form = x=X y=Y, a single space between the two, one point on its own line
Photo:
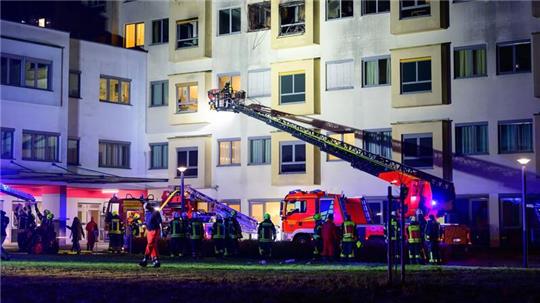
x=301 y=239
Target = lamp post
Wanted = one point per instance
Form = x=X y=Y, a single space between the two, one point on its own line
x=182 y=169
x=523 y=162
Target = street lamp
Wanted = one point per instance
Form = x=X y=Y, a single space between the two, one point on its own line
x=523 y=162
x=182 y=169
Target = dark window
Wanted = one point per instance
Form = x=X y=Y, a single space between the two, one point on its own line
x=472 y=139
x=515 y=136
x=188 y=157
x=336 y=9
x=259 y=16
x=514 y=57
x=376 y=71
x=259 y=151
x=375 y=6
x=229 y=21
x=114 y=90
x=293 y=157
x=511 y=212
x=416 y=76
x=114 y=154
x=37 y=146
x=292 y=88
x=159 y=156
x=379 y=142
x=292 y=17
x=160 y=31
x=187 y=33
x=75 y=84
x=414 y=8
x=417 y=150
x=73 y=152
x=470 y=62
x=6 y=146
x=159 y=93
x=11 y=70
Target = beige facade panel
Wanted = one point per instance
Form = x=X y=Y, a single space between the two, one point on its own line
x=437 y=19
x=188 y=98
x=312 y=176
x=442 y=143
x=196 y=17
x=311 y=69
x=536 y=63
x=203 y=145
x=284 y=36
x=439 y=54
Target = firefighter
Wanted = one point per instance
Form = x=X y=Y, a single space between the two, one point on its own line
x=231 y=240
x=218 y=237
x=177 y=233
x=329 y=237
x=152 y=221
x=433 y=234
x=317 y=236
x=4 y=222
x=393 y=237
x=414 y=238
x=349 y=238
x=266 y=236
x=116 y=231
x=422 y=221
x=196 y=234
x=22 y=233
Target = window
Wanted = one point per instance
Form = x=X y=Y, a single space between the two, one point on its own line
x=259 y=16
x=514 y=57
x=414 y=8
x=347 y=138
x=159 y=155
x=73 y=152
x=232 y=203
x=229 y=21
x=472 y=139
x=415 y=75
x=292 y=88
x=188 y=157
x=292 y=17
x=515 y=136
x=336 y=9
x=292 y=157
x=376 y=71
x=187 y=33
x=470 y=62
x=233 y=79
x=38 y=146
x=417 y=150
x=114 y=90
x=378 y=142
x=37 y=74
x=340 y=75
x=160 y=31
x=229 y=152
x=510 y=211
x=114 y=154
x=257 y=209
x=187 y=94
x=11 y=70
x=134 y=35
x=259 y=83
x=260 y=150
x=375 y=6
x=159 y=93
x=6 y=146
x=295 y=207
x=75 y=84
x=376 y=208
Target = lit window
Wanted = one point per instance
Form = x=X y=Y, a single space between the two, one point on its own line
x=37 y=74
x=229 y=152
x=188 y=157
x=114 y=90
x=472 y=139
x=259 y=16
x=336 y=9
x=159 y=93
x=292 y=88
x=514 y=57
x=257 y=209
x=134 y=35
x=229 y=21
x=39 y=146
x=470 y=61
x=6 y=145
x=42 y=22
x=340 y=75
x=73 y=152
x=515 y=136
x=114 y=154
x=414 y=8
x=259 y=151
x=347 y=138
x=292 y=157
x=232 y=79
x=292 y=17
x=159 y=155
x=378 y=142
x=376 y=71
x=415 y=75
x=375 y=6
x=187 y=94
x=417 y=150
x=75 y=84
x=160 y=31
x=187 y=33
x=234 y=204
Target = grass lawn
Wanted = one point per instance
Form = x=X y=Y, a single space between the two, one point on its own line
x=120 y=279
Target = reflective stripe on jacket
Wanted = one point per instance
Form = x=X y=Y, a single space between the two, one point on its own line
x=218 y=231
x=348 y=231
x=196 y=230
x=266 y=231
x=176 y=229
x=414 y=234
x=115 y=226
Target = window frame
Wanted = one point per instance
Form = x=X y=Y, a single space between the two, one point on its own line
x=187 y=150
x=268 y=160
x=136 y=34
x=340 y=11
x=416 y=6
x=264 y=5
x=344 y=87
x=417 y=81
x=230 y=141
x=34 y=133
x=513 y=44
x=78 y=73
x=120 y=81
x=118 y=143
x=476 y=153
x=417 y=136
x=472 y=48
x=281 y=26
x=186 y=21
x=510 y=122
x=188 y=85
x=12 y=141
x=164 y=155
x=231 y=75
x=293 y=93
x=293 y=143
x=230 y=32
x=376 y=58
x=255 y=71
x=165 y=93
x=22 y=71
x=78 y=162
x=161 y=39
x=378 y=131
x=363 y=8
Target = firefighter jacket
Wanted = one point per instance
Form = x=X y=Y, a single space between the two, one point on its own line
x=433 y=231
x=177 y=229
x=317 y=230
x=349 y=231
x=266 y=231
x=414 y=234
x=230 y=229
x=393 y=234
x=237 y=228
x=218 y=230
x=152 y=220
x=136 y=228
x=196 y=230
x=117 y=226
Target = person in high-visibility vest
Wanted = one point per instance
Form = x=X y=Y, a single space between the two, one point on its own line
x=177 y=234
x=433 y=235
x=422 y=222
x=196 y=235
x=266 y=236
x=392 y=237
x=218 y=237
x=414 y=238
x=317 y=236
x=116 y=231
x=349 y=238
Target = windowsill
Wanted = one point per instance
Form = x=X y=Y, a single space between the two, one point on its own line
x=158 y=43
x=292 y=103
x=157 y=168
x=76 y=97
x=229 y=165
x=157 y=105
x=513 y=73
x=414 y=17
x=516 y=152
x=258 y=164
x=229 y=34
x=472 y=154
x=38 y=160
x=186 y=112
x=29 y=87
x=293 y=173
x=339 y=18
x=118 y=167
x=187 y=177
x=377 y=13
x=418 y=92
x=186 y=47
x=112 y=102
x=469 y=77
x=378 y=85
x=339 y=88
x=258 y=30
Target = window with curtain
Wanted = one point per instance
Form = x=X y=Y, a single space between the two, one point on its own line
x=134 y=35
x=514 y=57
x=114 y=154
x=6 y=146
x=336 y=9
x=292 y=17
x=187 y=33
x=415 y=75
x=188 y=157
x=376 y=71
x=292 y=88
x=515 y=136
x=292 y=157
x=470 y=61
x=259 y=83
x=115 y=90
x=229 y=152
x=340 y=74
x=378 y=142
x=160 y=31
x=37 y=74
x=187 y=94
x=159 y=156
x=159 y=93
x=472 y=139
x=39 y=146
x=260 y=150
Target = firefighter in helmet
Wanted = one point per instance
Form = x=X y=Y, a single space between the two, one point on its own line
x=349 y=238
x=392 y=237
x=218 y=237
x=116 y=231
x=266 y=236
x=196 y=235
x=433 y=235
x=317 y=236
x=178 y=234
x=414 y=238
